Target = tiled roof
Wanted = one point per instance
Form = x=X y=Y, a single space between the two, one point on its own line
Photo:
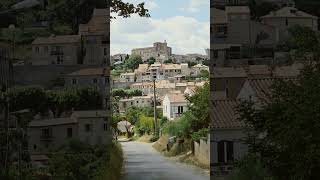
x=171 y=66
x=90 y=72
x=287 y=12
x=263 y=86
x=222 y=72
x=65 y=39
x=177 y=97
x=52 y=122
x=224 y=115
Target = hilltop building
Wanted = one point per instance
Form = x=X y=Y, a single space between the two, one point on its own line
x=160 y=51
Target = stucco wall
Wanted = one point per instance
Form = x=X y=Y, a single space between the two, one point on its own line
x=202 y=151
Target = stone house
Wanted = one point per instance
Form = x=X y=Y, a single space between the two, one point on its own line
x=60 y=50
x=127 y=77
x=174 y=105
x=227 y=137
x=136 y=101
x=91 y=127
x=287 y=17
x=97 y=77
x=96 y=38
x=89 y=47
x=196 y=69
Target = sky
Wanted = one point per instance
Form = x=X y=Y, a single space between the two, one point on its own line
x=184 y=24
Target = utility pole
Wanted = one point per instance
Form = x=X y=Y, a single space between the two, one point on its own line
x=155 y=109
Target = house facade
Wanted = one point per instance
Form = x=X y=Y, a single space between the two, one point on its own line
x=136 y=101
x=89 y=46
x=91 y=127
x=174 y=105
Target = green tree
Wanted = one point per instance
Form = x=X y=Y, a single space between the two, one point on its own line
x=133 y=62
x=167 y=61
x=204 y=74
x=151 y=60
x=285 y=129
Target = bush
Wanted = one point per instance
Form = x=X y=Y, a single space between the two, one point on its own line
x=202 y=133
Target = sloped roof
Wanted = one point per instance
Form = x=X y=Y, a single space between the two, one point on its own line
x=223 y=72
x=26 y=4
x=90 y=72
x=52 y=122
x=65 y=39
x=263 y=86
x=224 y=115
x=287 y=12
x=177 y=98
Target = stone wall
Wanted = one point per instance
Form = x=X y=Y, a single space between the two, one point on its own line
x=202 y=151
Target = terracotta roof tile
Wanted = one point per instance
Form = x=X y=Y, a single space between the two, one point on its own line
x=224 y=115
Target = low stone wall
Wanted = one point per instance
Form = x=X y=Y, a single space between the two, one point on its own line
x=202 y=151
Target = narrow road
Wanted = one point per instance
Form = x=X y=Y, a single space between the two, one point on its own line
x=142 y=162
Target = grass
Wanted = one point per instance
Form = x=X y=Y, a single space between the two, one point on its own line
x=112 y=170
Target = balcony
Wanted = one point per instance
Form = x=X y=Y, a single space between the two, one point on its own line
x=56 y=53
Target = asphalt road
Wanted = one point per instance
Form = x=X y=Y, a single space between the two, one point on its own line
x=142 y=162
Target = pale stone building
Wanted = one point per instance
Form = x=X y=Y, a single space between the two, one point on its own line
x=160 y=51
x=287 y=17
x=136 y=101
x=91 y=127
x=89 y=47
x=174 y=105
x=59 y=50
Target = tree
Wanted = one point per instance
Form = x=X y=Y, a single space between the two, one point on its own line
x=167 y=61
x=304 y=41
x=75 y=12
x=199 y=107
x=133 y=62
x=151 y=60
x=284 y=131
x=204 y=74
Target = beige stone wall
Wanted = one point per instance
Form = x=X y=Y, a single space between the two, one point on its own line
x=202 y=151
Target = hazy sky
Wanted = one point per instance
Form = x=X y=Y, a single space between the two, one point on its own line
x=184 y=24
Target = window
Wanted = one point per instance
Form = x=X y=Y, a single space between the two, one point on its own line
x=287 y=23
x=59 y=59
x=46 y=132
x=88 y=127
x=95 y=80
x=34 y=147
x=69 y=132
x=220 y=152
x=105 y=126
x=229 y=151
x=74 y=81
x=105 y=51
x=106 y=80
x=180 y=109
x=225 y=151
x=37 y=49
